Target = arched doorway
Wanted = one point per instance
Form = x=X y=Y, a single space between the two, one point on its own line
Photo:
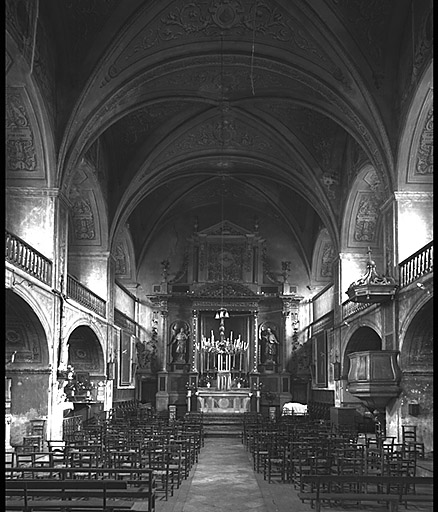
x=416 y=399
x=27 y=369
x=87 y=388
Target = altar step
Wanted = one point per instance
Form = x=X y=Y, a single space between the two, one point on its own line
x=222 y=424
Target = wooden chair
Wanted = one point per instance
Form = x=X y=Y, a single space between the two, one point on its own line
x=159 y=462
x=413 y=448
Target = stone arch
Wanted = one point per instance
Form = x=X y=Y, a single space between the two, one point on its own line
x=417 y=346
x=25 y=333
x=26 y=91
x=88 y=213
x=324 y=255
x=124 y=255
x=417 y=372
x=417 y=136
x=361 y=225
x=85 y=352
x=27 y=365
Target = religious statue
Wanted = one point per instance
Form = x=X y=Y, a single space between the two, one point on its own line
x=270 y=344
x=179 y=344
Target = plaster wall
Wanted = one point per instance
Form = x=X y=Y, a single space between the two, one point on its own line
x=417 y=388
x=32 y=219
x=29 y=400
x=415 y=223
x=91 y=270
x=123 y=302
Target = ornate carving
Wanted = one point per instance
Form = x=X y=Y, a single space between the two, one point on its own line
x=423 y=48
x=135 y=126
x=120 y=258
x=424 y=163
x=126 y=95
x=225 y=290
x=198 y=19
x=366 y=219
x=422 y=53
x=328 y=256
x=331 y=182
x=373 y=180
x=225 y=228
x=20 y=147
x=225 y=262
x=83 y=220
x=217 y=133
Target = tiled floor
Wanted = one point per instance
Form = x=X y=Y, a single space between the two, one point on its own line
x=224 y=481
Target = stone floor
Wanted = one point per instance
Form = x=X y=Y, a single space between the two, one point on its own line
x=224 y=481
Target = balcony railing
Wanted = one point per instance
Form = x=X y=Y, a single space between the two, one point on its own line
x=417 y=265
x=23 y=256
x=84 y=296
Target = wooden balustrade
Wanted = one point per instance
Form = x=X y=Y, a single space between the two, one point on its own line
x=23 y=256
x=84 y=296
x=417 y=265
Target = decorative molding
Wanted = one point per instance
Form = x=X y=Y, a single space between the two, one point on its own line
x=125 y=96
x=424 y=163
x=231 y=133
x=34 y=192
x=83 y=220
x=229 y=18
x=366 y=218
x=231 y=304
x=417 y=196
x=20 y=147
x=327 y=259
x=225 y=290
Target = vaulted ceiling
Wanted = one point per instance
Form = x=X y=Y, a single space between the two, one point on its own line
x=269 y=107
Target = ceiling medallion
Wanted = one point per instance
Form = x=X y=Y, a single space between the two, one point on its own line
x=372 y=287
x=225 y=13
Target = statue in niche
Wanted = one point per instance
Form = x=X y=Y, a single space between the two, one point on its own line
x=178 y=342
x=269 y=344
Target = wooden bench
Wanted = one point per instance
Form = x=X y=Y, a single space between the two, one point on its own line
x=390 y=489
x=105 y=489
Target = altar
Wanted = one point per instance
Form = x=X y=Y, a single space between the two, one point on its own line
x=220 y=401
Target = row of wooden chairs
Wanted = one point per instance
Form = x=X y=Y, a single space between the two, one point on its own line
x=312 y=448
x=124 y=442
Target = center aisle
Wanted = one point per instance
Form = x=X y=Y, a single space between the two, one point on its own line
x=224 y=481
